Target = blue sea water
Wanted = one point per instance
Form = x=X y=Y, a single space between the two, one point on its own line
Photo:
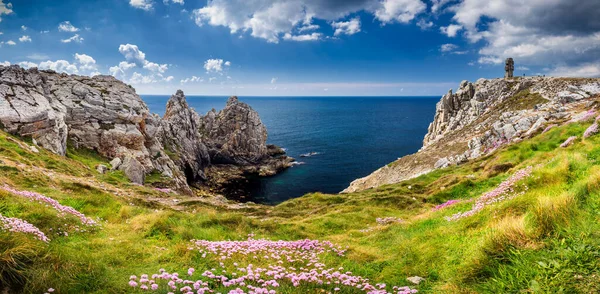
x=354 y=136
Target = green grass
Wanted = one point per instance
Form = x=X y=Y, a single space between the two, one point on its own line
x=545 y=241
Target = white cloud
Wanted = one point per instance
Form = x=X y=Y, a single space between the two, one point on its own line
x=120 y=70
x=1 y=33
x=155 y=67
x=273 y=19
x=23 y=28
x=44 y=32
x=302 y=38
x=133 y=53
x=402 y=11
x=59 y=66
x=5 y=8
x=5 y=63
x=227 y=63
x=424 y=24
x=273 y=80
x=136 y=58
x=11 y=42
x=25 y=39
x=350 y=27
x=86 y=62
x=169 y=78
x=437 y=5
x=193 y=79
x=214 y=65
x=308 y=27
x=210 y=80
x=524 y=68
x=582 y=70
x=66 y=26
x=138 y=78
x=76 y=39
x=27 y=64
x=141 y=4
x=448 y=47
x=451 y=30
x=535 y=32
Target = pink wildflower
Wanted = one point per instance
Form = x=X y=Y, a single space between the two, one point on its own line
x=568 y=142
x=16 y=225
x=592 y=130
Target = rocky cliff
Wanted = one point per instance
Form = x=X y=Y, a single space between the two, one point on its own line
x=480 y=117
x=103 y=114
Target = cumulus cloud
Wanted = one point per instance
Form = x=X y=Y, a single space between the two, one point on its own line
x=582 y=70
x=66 y=26
x=120 y=70
x=424 y=24
x=275 y=19
x=75 y=39
x=23 y=28
x=25 y=39
x=59 y=66
x=448 y=47
x=9 y=42
x=136 y=58
x=5 y=63
x=350 y=27
x=27 y=64
x=302 y=38
x=5 y=8
x=141 y=4
x=535 y=32
x=215 y=65
x=193 y=79
x=451 y=30
x=86 y=62
x=402 y=11
x=180 y=2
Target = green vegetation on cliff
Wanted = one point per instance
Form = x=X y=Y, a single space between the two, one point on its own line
x=541 y=236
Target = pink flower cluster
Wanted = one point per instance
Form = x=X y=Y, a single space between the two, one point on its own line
x=549 y=128
x=495 y=145
x=583 y=117
x=504 y=191
x=62 y=209
x=288 y=263
x=16 y=225
x=568 y=142
x=591 y=130
x=445 y=204
x=388 y=220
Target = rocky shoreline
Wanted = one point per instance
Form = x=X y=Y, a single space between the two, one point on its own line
x=104 y=114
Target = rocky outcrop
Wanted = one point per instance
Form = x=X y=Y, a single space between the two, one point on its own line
x=181 y=137
x=222 y=148
x=235 y=135
x=103 y=114
x=480 y=117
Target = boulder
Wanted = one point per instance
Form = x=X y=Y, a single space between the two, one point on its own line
x=115 y=163
x=102 y=169
x=134 y=170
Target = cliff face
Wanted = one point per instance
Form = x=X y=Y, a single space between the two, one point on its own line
x=106 y=115
x=482 y=116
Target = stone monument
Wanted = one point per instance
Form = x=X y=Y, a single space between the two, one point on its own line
x=509 y=68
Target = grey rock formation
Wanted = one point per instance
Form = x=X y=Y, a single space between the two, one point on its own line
x=235 y=135
x=483 y=116
x=106 y=115
x=181 y=137
x=134 y=170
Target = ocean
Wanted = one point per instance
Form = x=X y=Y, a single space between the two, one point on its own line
x=353 y=137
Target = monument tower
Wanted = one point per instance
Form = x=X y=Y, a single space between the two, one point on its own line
x=509 y=68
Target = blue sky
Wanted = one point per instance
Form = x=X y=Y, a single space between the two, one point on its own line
x=302 y=47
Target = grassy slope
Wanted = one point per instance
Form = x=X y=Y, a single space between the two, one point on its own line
x=545 y=240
